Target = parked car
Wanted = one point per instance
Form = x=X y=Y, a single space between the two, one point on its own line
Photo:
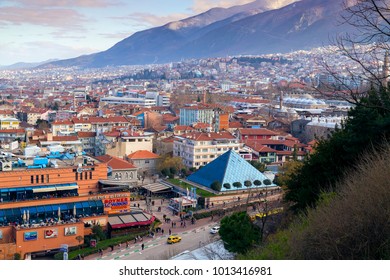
x=174 y=238
x=214 y=230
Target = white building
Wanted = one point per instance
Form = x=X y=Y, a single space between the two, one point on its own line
x=198 y=149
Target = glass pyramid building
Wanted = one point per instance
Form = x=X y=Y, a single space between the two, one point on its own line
x=228 y=168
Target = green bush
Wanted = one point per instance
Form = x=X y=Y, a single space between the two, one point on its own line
x=216 y=186
x=267 y=182
x=237 y=184
x=247 y=183
x=257 y=182
x=227 y=186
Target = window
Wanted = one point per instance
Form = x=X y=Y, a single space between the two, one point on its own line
x=32 y=179
x=90 y=175
x=126 y=176
x=42 y=178
x=47 y=178
x=77 y=176
x=86 y=175
x=37 y=179
x=146 y=161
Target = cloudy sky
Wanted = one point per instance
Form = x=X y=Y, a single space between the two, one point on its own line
x=37 y=30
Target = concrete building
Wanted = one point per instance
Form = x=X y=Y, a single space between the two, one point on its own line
x=195 y=114
x=198 y=148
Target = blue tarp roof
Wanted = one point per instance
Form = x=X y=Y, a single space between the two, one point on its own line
x=228 y=168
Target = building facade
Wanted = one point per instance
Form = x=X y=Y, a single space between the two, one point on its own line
x=198 y=148
x=47 y=202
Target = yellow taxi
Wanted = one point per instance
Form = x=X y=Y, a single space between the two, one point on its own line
x=174 y=238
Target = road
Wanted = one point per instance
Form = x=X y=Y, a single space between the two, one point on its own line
x=157 y=248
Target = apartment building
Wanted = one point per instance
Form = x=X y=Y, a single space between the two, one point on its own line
x=198 y=148
x=195 y=114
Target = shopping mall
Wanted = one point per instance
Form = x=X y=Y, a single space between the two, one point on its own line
x=46 y=202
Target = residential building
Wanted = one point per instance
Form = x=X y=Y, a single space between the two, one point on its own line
x=199 y=148
x=122 y=173
x=195 y=114
x=124 y=142
x=9 y=123
x=88 y=141
x=145 y=161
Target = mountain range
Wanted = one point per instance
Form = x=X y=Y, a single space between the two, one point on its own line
x=260 y=27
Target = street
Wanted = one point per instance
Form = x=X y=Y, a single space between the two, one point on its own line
x=157 y=248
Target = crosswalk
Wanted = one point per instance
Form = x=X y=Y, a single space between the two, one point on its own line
x=135 y=248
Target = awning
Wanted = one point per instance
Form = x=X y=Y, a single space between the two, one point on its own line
x=73 y=187
x=125 y=221
x=156 y=187
x=40 y=190
x=53 y=188
x=115 y=188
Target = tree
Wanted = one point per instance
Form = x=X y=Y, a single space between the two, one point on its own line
x=216 y=186
x=352 y=223
x=365 y=45
x=80 y=239
x=237 y=185
x=366 y=126
x=168 y=162
x=238 y=233
x=286 y=171
x=98 y=232
x=258 y=165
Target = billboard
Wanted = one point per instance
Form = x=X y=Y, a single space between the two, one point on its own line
x=70 y=231
x=31 y=235
x=117 y=205
x=51 y=233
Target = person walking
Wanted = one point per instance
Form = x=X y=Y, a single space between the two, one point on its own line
x=142 y=246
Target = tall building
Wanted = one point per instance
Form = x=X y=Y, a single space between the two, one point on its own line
x=195 y=114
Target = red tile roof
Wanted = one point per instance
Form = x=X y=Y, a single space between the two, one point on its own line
x=65 y=138
x=116 y=163
x=63 y=122
x=257 y=131
x=203 y=136
x=86 y=134
x=142 y=154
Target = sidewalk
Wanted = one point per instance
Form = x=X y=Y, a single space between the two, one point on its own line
x=178 y=229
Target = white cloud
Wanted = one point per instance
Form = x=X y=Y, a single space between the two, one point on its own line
x=152 y=20
x=42 y=50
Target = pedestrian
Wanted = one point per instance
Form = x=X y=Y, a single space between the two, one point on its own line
x=170 y=231
x=162 y=231
x=127 y=244
x=142 y=246
x=135 y=239
x=172 y=224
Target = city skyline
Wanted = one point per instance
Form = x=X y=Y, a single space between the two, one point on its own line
x=39 y=30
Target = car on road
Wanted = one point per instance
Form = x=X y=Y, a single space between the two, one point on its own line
x=174 y=238
x=214 y=230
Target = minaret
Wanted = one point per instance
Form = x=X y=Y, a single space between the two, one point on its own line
x=281 y=100
x=386 y=70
